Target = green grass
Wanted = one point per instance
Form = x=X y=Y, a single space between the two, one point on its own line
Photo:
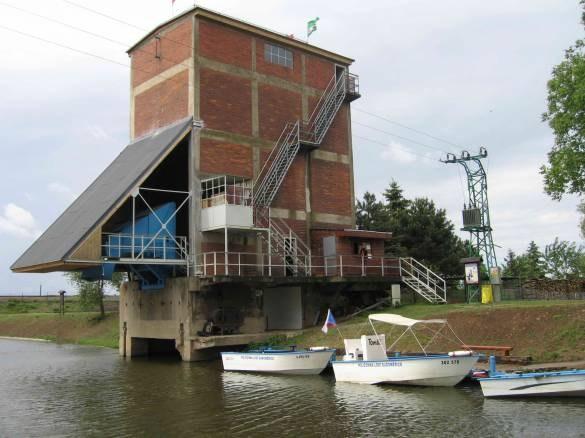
x=84 y=328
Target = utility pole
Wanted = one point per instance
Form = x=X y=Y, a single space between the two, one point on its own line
x=476 y=213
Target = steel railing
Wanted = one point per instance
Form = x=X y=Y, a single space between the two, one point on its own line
x=271 y=265
x=144 y=247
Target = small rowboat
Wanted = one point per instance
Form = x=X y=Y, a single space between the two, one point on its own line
x=545 y=384
x=292 y=361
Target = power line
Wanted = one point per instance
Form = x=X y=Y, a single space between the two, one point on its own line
x=418 y=131
x=77 y=5
x=399 y=136
x=97 y=35
x=64 y=46
x=398 y=145
x=117 y=20
x=70 y=26
x=83 y=52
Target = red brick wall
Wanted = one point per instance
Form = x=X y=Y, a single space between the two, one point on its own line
x=226 y=102
x=336 y=139
x=330 y=188
x=292 y=191
x=318 y=71
x=175 y=46
x=220 y=43
x=276 y=107
x=162 y=104
x=293 y=74
x=225 y=158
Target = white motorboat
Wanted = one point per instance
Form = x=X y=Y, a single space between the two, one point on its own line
x=545 y=384
x=292 y=361
x=366 y=359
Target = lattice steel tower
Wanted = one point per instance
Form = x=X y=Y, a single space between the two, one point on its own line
x=476 y=214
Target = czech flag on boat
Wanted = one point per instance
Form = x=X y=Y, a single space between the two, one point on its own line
x=329 y=322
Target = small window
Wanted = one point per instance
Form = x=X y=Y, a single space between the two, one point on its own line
x=278 y=55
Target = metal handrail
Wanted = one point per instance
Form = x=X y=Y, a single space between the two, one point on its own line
x=289 y=130
x=320 y=266
x=179 y=246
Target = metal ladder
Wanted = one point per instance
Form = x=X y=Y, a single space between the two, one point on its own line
x=423 y=281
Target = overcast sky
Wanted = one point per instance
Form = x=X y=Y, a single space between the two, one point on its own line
x=471 y=72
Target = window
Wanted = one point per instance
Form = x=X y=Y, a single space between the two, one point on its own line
x=278 y=55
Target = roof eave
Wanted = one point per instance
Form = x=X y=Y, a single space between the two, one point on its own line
x=249 y=27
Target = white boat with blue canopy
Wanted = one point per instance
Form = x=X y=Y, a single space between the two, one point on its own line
x=281 y=361
x=366 y=359
x=569 y=383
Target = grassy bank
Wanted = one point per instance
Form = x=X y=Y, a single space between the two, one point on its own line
x=546 y=330
x=83 y=328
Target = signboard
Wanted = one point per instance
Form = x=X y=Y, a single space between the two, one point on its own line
x=471 y=273
x=495 y=277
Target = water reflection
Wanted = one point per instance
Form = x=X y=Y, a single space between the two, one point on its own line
x=53 y=390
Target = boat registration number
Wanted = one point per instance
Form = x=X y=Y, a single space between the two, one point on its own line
x=450 y=362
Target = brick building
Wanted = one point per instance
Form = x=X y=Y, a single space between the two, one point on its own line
x=232 y=209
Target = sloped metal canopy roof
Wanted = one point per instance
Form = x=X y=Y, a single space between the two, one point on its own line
x=94 y=205
x=394 y=319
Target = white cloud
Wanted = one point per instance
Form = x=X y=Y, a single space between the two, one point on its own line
x=98 y=132
x=62 y=190
x=19 y=222
x=398 y=153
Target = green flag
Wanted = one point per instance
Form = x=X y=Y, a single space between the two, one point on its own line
x=311 y=26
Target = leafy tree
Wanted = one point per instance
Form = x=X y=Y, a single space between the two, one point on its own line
x=534 y=261
x=564 y=260
x=565 y=172
x=419 y=229
x=527 y=265
x=91 y=293
x=371 y=213
x=396 y=203
x=581 y=209
x=428 y=235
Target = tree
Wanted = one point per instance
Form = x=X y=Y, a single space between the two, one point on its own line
x=581 y=209
x=564 y=260
x=91 y=293
x=427 y=235
x=534 y=263
x=565 y=172
x=371 y=213
x=396 y=203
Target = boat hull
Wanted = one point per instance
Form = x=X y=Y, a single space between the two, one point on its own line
x=559 y=384
x=437 y=370
x=294 y=362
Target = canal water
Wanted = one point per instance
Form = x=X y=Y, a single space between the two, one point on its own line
x=65 y=390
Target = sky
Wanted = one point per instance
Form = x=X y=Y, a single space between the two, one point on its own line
x=472 y=73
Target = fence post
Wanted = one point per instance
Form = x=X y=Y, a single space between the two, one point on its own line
x=382 y=266
x=225 y=261
x=363 y=267
x=239 y=264
x=341 y=266
x=215 y=263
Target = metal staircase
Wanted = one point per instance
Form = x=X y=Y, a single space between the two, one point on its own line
x=423 y=281
x=341 y=87
x=282 y=241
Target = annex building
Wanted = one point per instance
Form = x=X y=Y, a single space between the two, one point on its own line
x=232 y=209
